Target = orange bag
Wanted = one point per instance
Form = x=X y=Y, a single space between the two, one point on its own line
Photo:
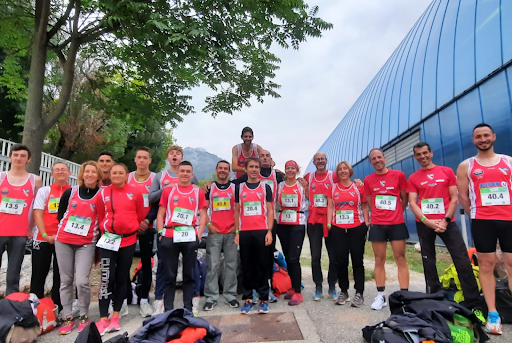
x=45 y=311
x=281 y=281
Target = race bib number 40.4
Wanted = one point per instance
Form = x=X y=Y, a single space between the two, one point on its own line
x=78 y=226
x=385 y=202
x=493 y=196
x=12 y=206
x=320 y=200
x=252 y=208
x=432 y=206
x=183 y=234
x=182 y=216
x=109 y=241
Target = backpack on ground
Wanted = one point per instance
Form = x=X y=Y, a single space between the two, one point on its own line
x=281 y=281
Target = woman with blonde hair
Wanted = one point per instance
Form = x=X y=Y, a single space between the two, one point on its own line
x=347 y=221
x=75 y=243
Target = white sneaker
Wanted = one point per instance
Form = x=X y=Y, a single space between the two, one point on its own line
x=158 y=306
x=124 y=310
x=379 y=303
x=145 y=309
x=195 y=305
x=75 y=310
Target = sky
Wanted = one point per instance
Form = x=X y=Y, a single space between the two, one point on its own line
x=319 y=83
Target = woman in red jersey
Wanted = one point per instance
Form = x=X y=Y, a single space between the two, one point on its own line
x=291 y=227
x=348 y=220
x=123 y=206
x=75 y=243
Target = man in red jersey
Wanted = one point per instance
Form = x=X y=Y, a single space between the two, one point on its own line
x=18 y=188
x=387 y=198
x=433 y=199
x=243 y=151
x=142 y=178
x=484 y=185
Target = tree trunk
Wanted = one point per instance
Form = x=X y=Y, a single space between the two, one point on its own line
x=33 y=128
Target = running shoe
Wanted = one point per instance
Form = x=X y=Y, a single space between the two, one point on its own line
x=67 y=326
x=195 y=305
x=209 y=305
x=263 y=308
x=102 y=326
x=332 y=295
x=114 y=325
x=124 y=310
x=318 y=295
x=289 y=294
x=145 y=309
x=234 y=303
x=358 y=300
x=296 y=299
x=343 y=298
x=271 y=297
x=83 y=322
x=478 y=313
x=379 y=303
x=493 y=325
x=246 y=308
x=158 y=306
x=75 y=309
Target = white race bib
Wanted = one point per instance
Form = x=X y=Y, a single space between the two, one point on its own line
x=78 y=226
x=289 y=216
x=221 y=204
x=12 y=206
x=109 y=241
x=385 y=202
x=290 y=200
x=345 y=217
x=320 y=200
x=252 y=208
x=183 y=234
x=270 y=183
x=493 y=196
x=145 y=197
x=432 y=206
x=182 y=216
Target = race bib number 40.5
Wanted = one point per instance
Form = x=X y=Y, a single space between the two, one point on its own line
x=432 y=206
x=78 y=226
x=345 y=217
x=109 y=241
x=320 y=200
x=183 y=234
x=493 y=196
x=385 y=202
x=290 y=200
x=182 y=216
x=221 y=204
x=12 y=206
x=252 y=208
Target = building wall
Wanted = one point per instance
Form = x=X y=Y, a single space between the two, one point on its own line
x=451 y=72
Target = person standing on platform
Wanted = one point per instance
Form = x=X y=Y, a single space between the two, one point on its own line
x=243 y=151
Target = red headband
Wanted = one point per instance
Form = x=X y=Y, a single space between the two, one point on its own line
x=292 y=163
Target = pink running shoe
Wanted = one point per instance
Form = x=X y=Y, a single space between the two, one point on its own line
x=83 y=322
x=102 y=326
x=289 y=294
x=114 y=325
x=67 y=326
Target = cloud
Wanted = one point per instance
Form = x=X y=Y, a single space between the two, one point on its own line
x=320 y=82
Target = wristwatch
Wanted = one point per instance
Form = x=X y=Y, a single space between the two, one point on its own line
x=448 y=219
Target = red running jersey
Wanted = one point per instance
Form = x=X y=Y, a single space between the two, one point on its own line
x=242 y=157
x=51 y=208
x=253 y=207
x=385 y=192
x=292 y=204
x=489 y=189
x=270 y=180
x=16 y=206
x=222 y=207
x=348 y=210
x=182 y=206
x=144 y=187
x=432 y=186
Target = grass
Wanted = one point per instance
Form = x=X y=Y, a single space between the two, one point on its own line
x=414 y=260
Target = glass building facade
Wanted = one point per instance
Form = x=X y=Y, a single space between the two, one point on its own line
x=451 y=72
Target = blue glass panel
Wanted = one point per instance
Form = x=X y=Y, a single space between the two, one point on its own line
x=380 y=107
x=433 y=137
x=450 y=135
x=417 y=73
x=376 y=119
x=407 y=166
x=396 y=166
x=506 y=29
x=465 y=47
x=496 y=111
x=488 y=38
x=445 y=55
x=369 y=141
x=362 y=127
x=470 y=114
x=428 y=101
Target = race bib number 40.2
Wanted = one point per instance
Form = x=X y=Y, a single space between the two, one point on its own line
x=221 y=204
x=252 y=208
x=493 y=196
x=320 y=200
x=109 y=241
x=385 y=202
x=432 y=206
x=78 y=226
x=345 y=217
x=182 y=216
x=183 y=234
x=12 y=206
x=290 y=200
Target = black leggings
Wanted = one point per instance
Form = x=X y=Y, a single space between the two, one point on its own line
x=42 y=253
x=292 y=238
x=146 y=253
x=115 y=270
x=349 y=241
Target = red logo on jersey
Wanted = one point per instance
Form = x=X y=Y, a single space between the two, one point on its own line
x=313 y=186
x=175 y=198
x=130 y=196
x=336 y=195
x=504 y=171
x=26 y=192
x=5 y=191
x=383 y=183
x=430 y=176
x=478 y=172
x=74 y=204
x=148 y=187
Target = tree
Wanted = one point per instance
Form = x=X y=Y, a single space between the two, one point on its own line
x=171 y=45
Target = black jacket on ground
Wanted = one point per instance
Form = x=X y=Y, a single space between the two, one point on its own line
x=17 y=313
x=167 y=326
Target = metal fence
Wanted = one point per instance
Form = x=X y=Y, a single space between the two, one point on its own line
x=45 y=169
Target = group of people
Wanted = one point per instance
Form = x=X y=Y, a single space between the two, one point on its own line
x=111 y=209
